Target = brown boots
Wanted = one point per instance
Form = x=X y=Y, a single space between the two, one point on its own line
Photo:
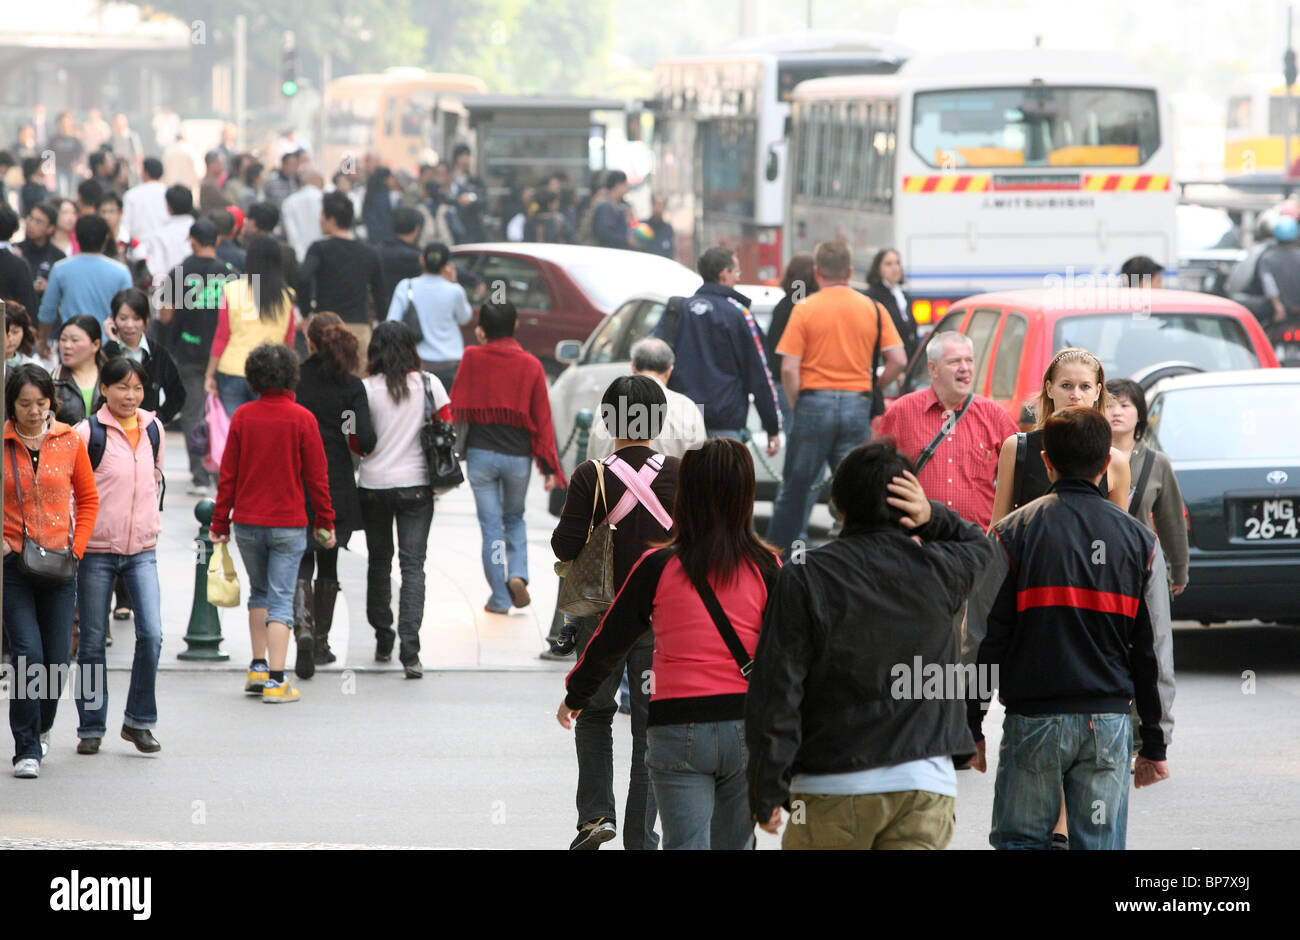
x=304 y=628
x=326 y=593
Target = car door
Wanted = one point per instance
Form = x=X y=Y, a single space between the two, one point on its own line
x=1006 y=363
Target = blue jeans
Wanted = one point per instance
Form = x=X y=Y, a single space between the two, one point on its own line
x=411 y=508
x=500 y=483
x=233 y=391
x=1089 y=754
x=698 y=771
x=827 y=425
x=733 y=433
x=271 y=555
x=37 y=634
x=95 y=575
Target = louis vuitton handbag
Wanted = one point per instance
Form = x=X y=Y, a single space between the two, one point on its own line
x=588 y=586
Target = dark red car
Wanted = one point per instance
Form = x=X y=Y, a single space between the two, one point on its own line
x=563 y=291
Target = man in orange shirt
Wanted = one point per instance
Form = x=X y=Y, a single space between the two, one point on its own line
x=827 y=371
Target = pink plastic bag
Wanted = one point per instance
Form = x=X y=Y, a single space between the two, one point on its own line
x=218 y=427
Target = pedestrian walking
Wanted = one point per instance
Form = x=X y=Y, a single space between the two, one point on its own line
x=65 y=226
x=442 y=308
x=885 y=287
x=50 y=501
x=377 y=208
x=798 y=282
x=547 y=223
x=662 y=242
x=701 y=599
x=38 y=249
x=834 y=730
x=169 y=244
x=76 y=382
x=501 y=395
x=20 y=338
x=126 y=443
x=468 y=193
x=144 y=207
x=300 y=213
x=829 y=351
x=16 y=279
x=69 y=154
x=613 y=221
x=164 y=391
x=82 y=285
x=399 y=254
x=1073 y=641
x=958 y=434
x=211 y=195
x=638 y=486
x=257 y=307
x=393 y=487
x=719 y=352
x=228 y=222
x=33 y=192
x=283 y=181
x=682 y=426
x=273 y=460
x=329 y=389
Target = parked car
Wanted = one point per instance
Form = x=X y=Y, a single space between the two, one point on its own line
x=1145 y=335
x=563 y=291
x=1208 y=249
x=1233 y=439
x=607 y=354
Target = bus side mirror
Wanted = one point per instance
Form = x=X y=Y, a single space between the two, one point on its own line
x=773 y=164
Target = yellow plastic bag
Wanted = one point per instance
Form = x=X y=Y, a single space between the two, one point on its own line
x=223 y=583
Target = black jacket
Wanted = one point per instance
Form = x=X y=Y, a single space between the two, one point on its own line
x=1074 y=611
x=823 y=696
x=398 y=261
x=902 y=318
x=163 y=376
x=69 y=406
x=341 y=409
x=16 y=282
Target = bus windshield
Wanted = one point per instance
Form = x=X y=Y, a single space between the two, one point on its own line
x=1036 y=126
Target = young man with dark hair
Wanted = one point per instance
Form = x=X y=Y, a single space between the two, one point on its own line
x=719 y=350
x=1074 y=615
x=442 y=308
x=83 y=284
x=399 y=258
x=37 y=250
x=467 y=192
x=169 y=245
x=15 y=274
x=88 y=193
x=613 y=222
x=283 y=181
x=227 y=249
x=863 y=762
x=339 y=270
x=300 y=212
x=1141 y=271
x=261 y=219
x=34 y=191
x=144 y=206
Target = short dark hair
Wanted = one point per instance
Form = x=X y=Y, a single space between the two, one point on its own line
x=134 y=298
x=834 y=259
x=47 y=209
x=180 y=201
x=204 y=232
x=224 y=221
x=458 y=150
x=1138 y=267
x=6 y=159
x=29 y=373
x=8 y=222
x=211 y=157
x=107 y=197
x=861 y=483
x=294 y=154
x=1077 y=441
x=337 y=207
x=116 y=369
x=633 y=408
x=435 y=257
x=271 y=367
x=714 y=261
x=498 y=320
x=31 y=166
x=406 y=221
x=614 y=177
x=1134 y=393
x=89 y=191
x=265 y=215
x=152 y=168
x=91 y=232
x=252 y=170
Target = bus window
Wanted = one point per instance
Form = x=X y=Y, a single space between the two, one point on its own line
x=1007 y=365
x=1036 y=126
x=882 y=154
x=835 y=154
x=729 y=155
x=350 y=122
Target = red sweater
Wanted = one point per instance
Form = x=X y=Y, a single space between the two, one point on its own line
x=273 y=453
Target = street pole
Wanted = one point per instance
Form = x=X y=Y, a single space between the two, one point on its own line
x=241 y=76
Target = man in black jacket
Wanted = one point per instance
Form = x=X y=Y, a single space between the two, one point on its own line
x=841 y=727
x=1074 y=615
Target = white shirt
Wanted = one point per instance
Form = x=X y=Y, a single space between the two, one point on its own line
x=168 y=246
x=300 y=215
x=397 y=459
x=144 y=211
x=683 y=429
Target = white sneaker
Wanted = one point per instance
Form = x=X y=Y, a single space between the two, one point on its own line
x=28 y=768
x=45 y=745
x=203 y=492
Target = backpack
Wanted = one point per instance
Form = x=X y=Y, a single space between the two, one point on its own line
x=99 y=439
x=672 y=315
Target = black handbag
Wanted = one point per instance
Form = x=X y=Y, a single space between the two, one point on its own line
x=438 y=441
x=36 y=561
x=411 y=318
x=877 y=393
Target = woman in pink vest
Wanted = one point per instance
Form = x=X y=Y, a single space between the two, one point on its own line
x=703 y=595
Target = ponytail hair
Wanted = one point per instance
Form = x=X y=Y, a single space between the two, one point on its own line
x=340 y=353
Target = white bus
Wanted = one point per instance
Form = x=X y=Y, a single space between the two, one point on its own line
x=720 y=137
x=1254 y=146
x=987 y=171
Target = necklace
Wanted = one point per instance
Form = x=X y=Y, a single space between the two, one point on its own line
x=30 y=437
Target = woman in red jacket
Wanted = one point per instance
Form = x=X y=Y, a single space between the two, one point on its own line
x=703 y=594
x=273 y=459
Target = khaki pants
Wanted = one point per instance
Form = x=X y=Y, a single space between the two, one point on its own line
x=362 y=332
x=909 y=819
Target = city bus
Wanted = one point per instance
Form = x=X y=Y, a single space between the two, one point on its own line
x=986 y=171
x=720 y=137
x=1254 y=143
x=405 y=115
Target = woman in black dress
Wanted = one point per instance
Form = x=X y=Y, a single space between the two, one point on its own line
x=885 y=287
x=329 y=390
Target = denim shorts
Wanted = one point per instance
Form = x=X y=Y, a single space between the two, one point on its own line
x=271 y=555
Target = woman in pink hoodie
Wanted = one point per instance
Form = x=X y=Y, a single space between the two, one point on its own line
x=128 y=473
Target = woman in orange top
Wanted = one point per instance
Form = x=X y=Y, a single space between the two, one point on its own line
x=46 y=461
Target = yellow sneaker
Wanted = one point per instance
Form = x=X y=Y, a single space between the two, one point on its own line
x=256 y=681
x=279 y=692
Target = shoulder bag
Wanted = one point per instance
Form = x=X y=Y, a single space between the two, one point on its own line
x=588 y=586
x=877 y=393
x=411 y=317
x=1140 y=490
x=924 y=457
x=724 y=627
x=438 y=441
x=35 y=560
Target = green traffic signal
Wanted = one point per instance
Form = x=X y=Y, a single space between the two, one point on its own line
x=289 y=88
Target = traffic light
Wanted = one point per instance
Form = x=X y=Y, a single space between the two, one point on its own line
x=289 y=66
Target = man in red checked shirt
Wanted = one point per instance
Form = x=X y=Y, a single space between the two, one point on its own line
x=962 y=472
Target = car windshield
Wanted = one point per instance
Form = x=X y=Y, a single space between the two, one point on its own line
x=1199 y=228
x=1129 y=342
x=1229 y=422
x=608 y=283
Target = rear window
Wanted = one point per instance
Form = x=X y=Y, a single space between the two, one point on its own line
x=1129 y=342
x=1243 y=422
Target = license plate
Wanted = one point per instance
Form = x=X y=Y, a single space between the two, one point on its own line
x=1264 y=520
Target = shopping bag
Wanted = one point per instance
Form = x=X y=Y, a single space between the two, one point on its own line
x=223 y=583
x=218 y=422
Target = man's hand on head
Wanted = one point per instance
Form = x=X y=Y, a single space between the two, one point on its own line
x=908 y=497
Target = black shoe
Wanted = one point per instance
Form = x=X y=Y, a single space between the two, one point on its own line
x=304 y=665
x=551 y=656
x=142 y=738
x=594 y=834
x=566 y=642
x=1060 y=842
x=122 y=613
x=384 y=640
x=304 y=628
x=414 y=670
x=88 y=746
